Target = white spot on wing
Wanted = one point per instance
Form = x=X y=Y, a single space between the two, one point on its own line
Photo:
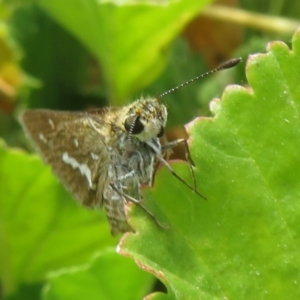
x=51 y=123
x=76 y=143
x=42 y=138
x=83 y=168
x=94 y=156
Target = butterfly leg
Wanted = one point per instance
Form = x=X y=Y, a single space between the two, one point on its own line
x=176 y=143
x=137 y=202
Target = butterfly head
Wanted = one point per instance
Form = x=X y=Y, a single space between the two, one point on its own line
x=146 y=119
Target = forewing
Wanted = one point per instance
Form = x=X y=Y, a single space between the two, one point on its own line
x=74 y=145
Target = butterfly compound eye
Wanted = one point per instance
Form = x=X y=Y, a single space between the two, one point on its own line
x=133 y=125
x=161 y=132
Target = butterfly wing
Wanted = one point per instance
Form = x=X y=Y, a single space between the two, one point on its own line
x=74 y=145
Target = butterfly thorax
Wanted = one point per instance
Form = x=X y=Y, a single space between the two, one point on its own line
x=133 y=147
x=133 y=140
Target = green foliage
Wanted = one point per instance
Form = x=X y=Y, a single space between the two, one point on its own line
x=243 y=242
x=103 y=278
x=38 y=220
x=104 y=29
x=58 y=60
x=42 y=229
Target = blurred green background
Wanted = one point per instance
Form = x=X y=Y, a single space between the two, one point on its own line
x=75 y=55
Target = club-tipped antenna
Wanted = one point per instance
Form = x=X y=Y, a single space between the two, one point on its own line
x=226 y=65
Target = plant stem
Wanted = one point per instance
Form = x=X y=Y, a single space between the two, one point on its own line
x=262 y=22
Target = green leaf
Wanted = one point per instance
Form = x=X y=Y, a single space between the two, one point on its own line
x=130 y=41
x=26 y=291
x=41 y=227
x=243 y=242
x=107 y=277
x=57 y=60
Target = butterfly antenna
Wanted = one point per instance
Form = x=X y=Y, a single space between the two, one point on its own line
x=226 y=65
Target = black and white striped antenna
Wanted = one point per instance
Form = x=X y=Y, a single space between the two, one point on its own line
x=226 y=65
